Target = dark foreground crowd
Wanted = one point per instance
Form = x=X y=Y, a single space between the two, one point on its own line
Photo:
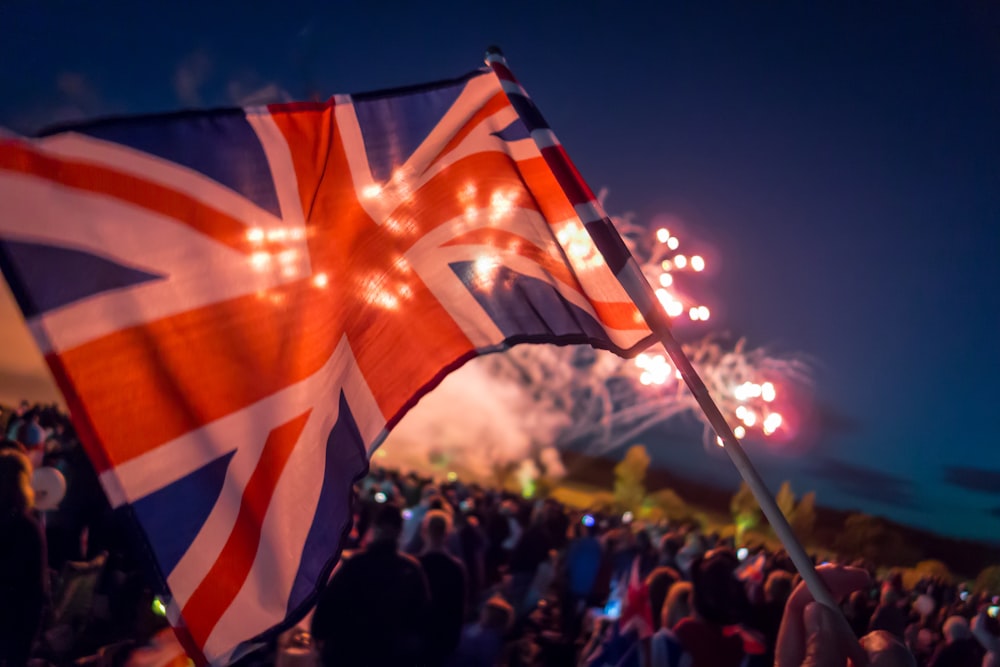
x=453 y=574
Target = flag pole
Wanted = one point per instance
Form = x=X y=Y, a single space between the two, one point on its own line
x=630 y=275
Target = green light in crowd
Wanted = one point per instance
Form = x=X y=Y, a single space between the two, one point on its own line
x=158 y=607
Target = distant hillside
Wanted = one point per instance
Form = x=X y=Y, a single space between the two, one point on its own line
x=964 y=557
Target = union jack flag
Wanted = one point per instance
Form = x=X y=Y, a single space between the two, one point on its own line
x=238 y=305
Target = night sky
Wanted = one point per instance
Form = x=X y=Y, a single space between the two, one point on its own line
x=840 y=166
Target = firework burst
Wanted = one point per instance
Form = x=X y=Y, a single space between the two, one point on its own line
x=594 y=400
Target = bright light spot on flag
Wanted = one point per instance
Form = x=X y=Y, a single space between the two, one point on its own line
x=296 y=233
x=750 y=418
x=694 y=314
x=642 y=360
x=646 y=378
x=739 y=432
x=467 y=195
x=681 y=261
x=501 y=205
x=288 y=271
x=260 y=260
x=673 y=242
x=741 y=412
x=485 y=268
x=718 y=441
x=277 y=234
x=371 y=191
x=667 y=265
x=401 y=184
x=666 y=279
x=675 y=308
x=767 y=392
x=399 y=225
x=288 y=256
x=703 y=312
x=405 y=291
x=320 y=280
x=698 y=263
x=580 y=249
x=375 y=294
x=255 y=235
x=662 y=234
x=771 y=423
x=387 y=301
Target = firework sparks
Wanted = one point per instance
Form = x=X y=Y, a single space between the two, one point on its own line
x=577 y=396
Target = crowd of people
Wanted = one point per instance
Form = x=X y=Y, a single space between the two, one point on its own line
x=448 y=573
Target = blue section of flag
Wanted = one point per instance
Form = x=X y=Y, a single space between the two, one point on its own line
x=173 y=515
x=610 y=243
x=527 y=111
x=394 y=127
x=345 y=460
x=525 y=306
x=48 y=277
x=220 y=145
x=514 y=132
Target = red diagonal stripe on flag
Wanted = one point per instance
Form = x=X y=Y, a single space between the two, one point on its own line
x=97 y=179
x=544 y=187
x=496 y=103
x=219 y=587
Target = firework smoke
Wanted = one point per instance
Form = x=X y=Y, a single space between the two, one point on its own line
x=503 y=416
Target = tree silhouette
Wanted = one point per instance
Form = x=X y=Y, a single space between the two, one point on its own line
x=989 y=580
x=926 y=569
x=670 y=505
x=870 y=538
x=786 y=499
x=746 y=511
x=630 y=475
x=803 y=519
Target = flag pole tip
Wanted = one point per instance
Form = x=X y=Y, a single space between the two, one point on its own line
x=494 y=50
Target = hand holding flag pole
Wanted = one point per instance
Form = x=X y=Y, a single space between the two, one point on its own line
x=630 y=276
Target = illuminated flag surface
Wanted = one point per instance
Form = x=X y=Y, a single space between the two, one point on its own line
x=239 y=304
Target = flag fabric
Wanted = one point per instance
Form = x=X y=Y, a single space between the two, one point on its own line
x=637 y=612
x=238 y=305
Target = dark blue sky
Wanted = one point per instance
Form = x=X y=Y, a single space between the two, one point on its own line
x=841 y=162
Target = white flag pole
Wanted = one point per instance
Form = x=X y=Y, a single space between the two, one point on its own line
x=627 y=270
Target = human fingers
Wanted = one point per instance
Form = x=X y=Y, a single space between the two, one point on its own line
x=839 y=580
x=824 y=648
x=793 y=635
